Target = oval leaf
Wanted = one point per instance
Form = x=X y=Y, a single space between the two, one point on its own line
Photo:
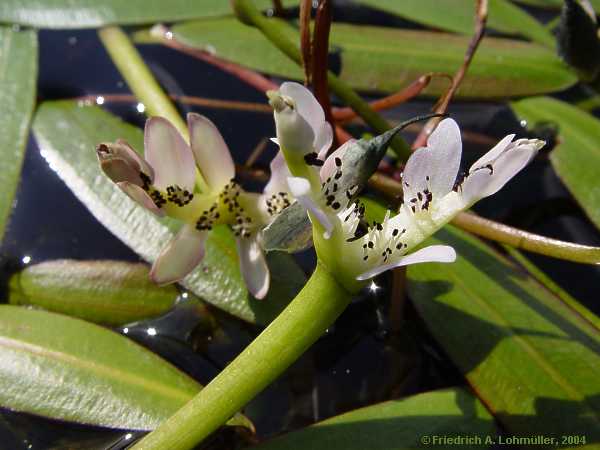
x=576 y=158
x=531 y=359
x=107 y=292
x=92 y=14
x=459 y=17
x=67 y=135
x=68 y=369
x=387 y=59
x=18 y=77
x=396 y=425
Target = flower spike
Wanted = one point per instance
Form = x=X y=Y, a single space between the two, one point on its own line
x=165 y=183
x=431 y=199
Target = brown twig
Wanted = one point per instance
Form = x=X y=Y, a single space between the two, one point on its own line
x=256 y=152
x=305 y=42
x=185 y=99
x=442 y=106
x=343 y=115
x=320 y=59
x=278 y=8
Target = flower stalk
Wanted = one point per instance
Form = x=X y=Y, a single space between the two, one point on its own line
x=139 y=78
x=304 y=320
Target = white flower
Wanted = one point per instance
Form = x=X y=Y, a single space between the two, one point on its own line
x=166 y=182
x=431 y=199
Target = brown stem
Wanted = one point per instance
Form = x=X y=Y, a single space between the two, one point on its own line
x=305 y=44
x=343 y=115
x=442 y=106
x=320 y=59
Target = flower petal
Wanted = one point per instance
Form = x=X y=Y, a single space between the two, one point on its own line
x=169 y=155
x=329 y=166
x=120 y=162
x=141 y=197
x=253 y=266
x=433 y=253
x=489 y=179
x=306 y=105
x=210 y=152
x=180 y=256
x=323 y=140
x=300 y=189
x=494 y=152
x=279 y=175
x=434 y=167
x=446 y=145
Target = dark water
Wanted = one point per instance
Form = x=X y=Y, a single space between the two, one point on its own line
x=363 y=359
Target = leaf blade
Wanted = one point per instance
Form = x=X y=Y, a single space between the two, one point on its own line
x=67 y=14
x=18 y=75
x=68 y=369
x=394 y=425
x=372 y=60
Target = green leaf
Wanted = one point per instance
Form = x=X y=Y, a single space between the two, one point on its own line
x=67 y=134
x=106 y=292
x=531 y=359
x=386 y=59
x=68 y=369
x=459 y=17
x=396 y=425
x=18 y=77
x=92 y=13
x=576 y=158
x=555 y=4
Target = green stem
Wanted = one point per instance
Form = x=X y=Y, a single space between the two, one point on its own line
x=525 y=240
x=273 y=31
x=139 y=78
x=302 y=322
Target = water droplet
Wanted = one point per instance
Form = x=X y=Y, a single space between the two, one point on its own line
x=26 y=259
x=140 y=107
x=185 y=295
x=128 y=436
x=72 y=40
x=523 y=123
x=169 y=35
x=125 y=330
x=100 y=100
x=151 y=331
x=373 y=287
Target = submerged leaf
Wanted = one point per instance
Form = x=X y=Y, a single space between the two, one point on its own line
x=68 y=369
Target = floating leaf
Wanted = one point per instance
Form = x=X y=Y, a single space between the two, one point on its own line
x=67 y=135
x=396 y=425
x=531 y=359
x=92 y=14
x=386 y=59
x=68 y=369
x=576 y=159
x=108 y=292
x=18 y=76
x=459 y=17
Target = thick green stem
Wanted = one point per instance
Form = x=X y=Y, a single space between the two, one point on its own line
x=302 y=322
x=139 y=78
x=273 y=31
